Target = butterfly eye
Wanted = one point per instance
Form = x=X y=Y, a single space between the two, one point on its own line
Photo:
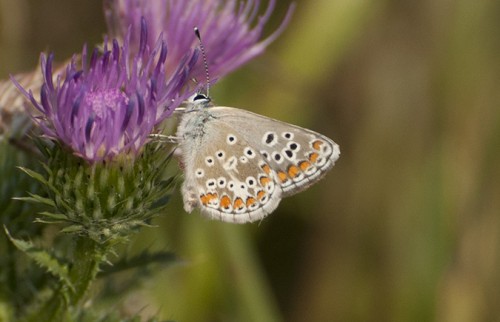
x=200 y=98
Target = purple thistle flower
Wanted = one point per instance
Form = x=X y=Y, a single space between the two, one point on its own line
x=231 y=29
x=110 y=105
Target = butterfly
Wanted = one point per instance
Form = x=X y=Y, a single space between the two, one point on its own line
x=238 y=165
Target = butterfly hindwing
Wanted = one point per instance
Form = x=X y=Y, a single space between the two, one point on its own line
x=226 y=177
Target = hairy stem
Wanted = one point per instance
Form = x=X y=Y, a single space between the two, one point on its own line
x=88 y=255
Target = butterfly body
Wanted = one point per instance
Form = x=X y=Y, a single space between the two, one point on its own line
x=238 y=164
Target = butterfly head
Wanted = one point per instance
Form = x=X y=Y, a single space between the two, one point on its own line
x=198 y=102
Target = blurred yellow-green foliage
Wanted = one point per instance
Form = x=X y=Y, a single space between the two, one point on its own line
x=406 y=227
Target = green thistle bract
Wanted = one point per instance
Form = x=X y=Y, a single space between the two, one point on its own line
x=105 y=200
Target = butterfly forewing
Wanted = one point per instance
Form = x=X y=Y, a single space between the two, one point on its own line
x=298 y=157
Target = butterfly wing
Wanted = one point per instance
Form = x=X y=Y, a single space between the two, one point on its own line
x=224 y=176
x=298 y=157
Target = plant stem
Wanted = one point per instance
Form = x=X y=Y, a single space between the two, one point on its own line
x=88 y=254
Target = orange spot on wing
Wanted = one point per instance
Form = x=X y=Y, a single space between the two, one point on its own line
x=282 y=176
x=264 y=180
x=313 y=157
x=293 y=171
x=266 y=168
x=250 y=201
x=304 y=165
x=317 y=145
x=238 y=203
x=208 y=198
x=225 y=202
x=261 y=194
x=211 y=196
x=204 y=200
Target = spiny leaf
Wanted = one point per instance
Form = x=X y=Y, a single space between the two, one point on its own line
x=35 y=175
x=42 y=258
x=51 y=218
x=39 y=177
x=48 y=221
x=55 y=216
x=37 y=199
x=72 y=229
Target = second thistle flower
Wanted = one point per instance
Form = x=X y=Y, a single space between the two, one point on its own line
x=232 y=30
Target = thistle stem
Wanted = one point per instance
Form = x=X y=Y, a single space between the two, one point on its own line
x=88 y=254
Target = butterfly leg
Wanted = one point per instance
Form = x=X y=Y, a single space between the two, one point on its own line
x=165 y=138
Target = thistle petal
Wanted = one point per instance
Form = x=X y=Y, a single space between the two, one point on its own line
x=231 y=29
x=110 y=105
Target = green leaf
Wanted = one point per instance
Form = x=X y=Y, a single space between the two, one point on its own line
x=72 y=229
x=35 y=175
x=47 y=221
x=42 y=258
x=54 y=216
x=51 y=218
x=39 y=177
x=37 y=199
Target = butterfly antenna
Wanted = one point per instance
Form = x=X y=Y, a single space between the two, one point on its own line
x=205 y=60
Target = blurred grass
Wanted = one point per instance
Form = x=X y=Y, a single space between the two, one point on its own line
x=406 y=226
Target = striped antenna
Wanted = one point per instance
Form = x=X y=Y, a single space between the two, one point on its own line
x=205 y=61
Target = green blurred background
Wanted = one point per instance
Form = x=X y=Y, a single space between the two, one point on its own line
x=406 y=227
